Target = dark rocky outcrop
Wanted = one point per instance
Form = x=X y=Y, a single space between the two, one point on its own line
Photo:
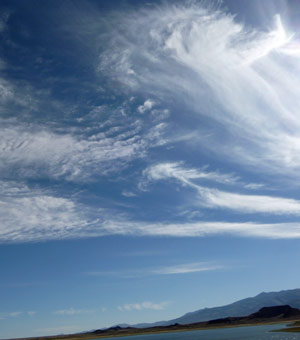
x=284 y=311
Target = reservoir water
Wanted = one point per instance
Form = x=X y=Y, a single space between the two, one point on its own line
x=238 y=333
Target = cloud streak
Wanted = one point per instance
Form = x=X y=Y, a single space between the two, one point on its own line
x=72 y=311
x=141 y=306
x=214 y=198
x=185 y=268
x=202 y=229
x=4 y=316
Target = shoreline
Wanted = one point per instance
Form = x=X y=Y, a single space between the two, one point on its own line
x=139 y=331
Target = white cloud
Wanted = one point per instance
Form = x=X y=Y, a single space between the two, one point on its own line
x=147 y=106
x=143 y=305
x=32 y=214
x=99 y=145
x=202 y=228
x=243 y=81
x=187 y=268
x=4 y=316
x=214 y=198
x=72 y=311
x=167 y=270
x=177 y=170
x=268 y=230
x=128 y=193
x=254 y=186
x=37 y=153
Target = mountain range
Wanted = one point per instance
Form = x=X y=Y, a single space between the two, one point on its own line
x=242 y=307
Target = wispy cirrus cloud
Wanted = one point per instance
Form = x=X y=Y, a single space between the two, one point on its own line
x=188 y=268
x=73 y=311
x=78 y=225
x=239 y=79
x=288 y=230
x=215 y=198
x=141 y=306
x=184 y=268
x=34 y=153
x=244 y=229
x=96 y=145
x=4 y=316
x=233 y=77
x=33 y=214
x=179 y=171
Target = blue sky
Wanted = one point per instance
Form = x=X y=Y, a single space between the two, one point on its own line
x=149 y=160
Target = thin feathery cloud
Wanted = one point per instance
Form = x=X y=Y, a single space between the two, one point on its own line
x=188 y=268
x=177 y=170
x=287 y=230
x=32 y=214
x=240 y=79
x=214 y=198
x=63 y=155
x=141 y=306
x=73 y=311
x=201 y=229
x=9 y=315
x=96 y=146
x=128 y=193
x=40 y=218
x=185 y=268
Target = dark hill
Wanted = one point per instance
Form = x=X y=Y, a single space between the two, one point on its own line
x=264 y=314
x=276 y=311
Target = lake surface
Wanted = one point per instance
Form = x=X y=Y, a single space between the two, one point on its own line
x=238 y=333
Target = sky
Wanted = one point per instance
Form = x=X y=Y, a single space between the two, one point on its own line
x=149 y=159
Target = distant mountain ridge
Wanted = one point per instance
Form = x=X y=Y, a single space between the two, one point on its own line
x=242 y=307
x=264 y=316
